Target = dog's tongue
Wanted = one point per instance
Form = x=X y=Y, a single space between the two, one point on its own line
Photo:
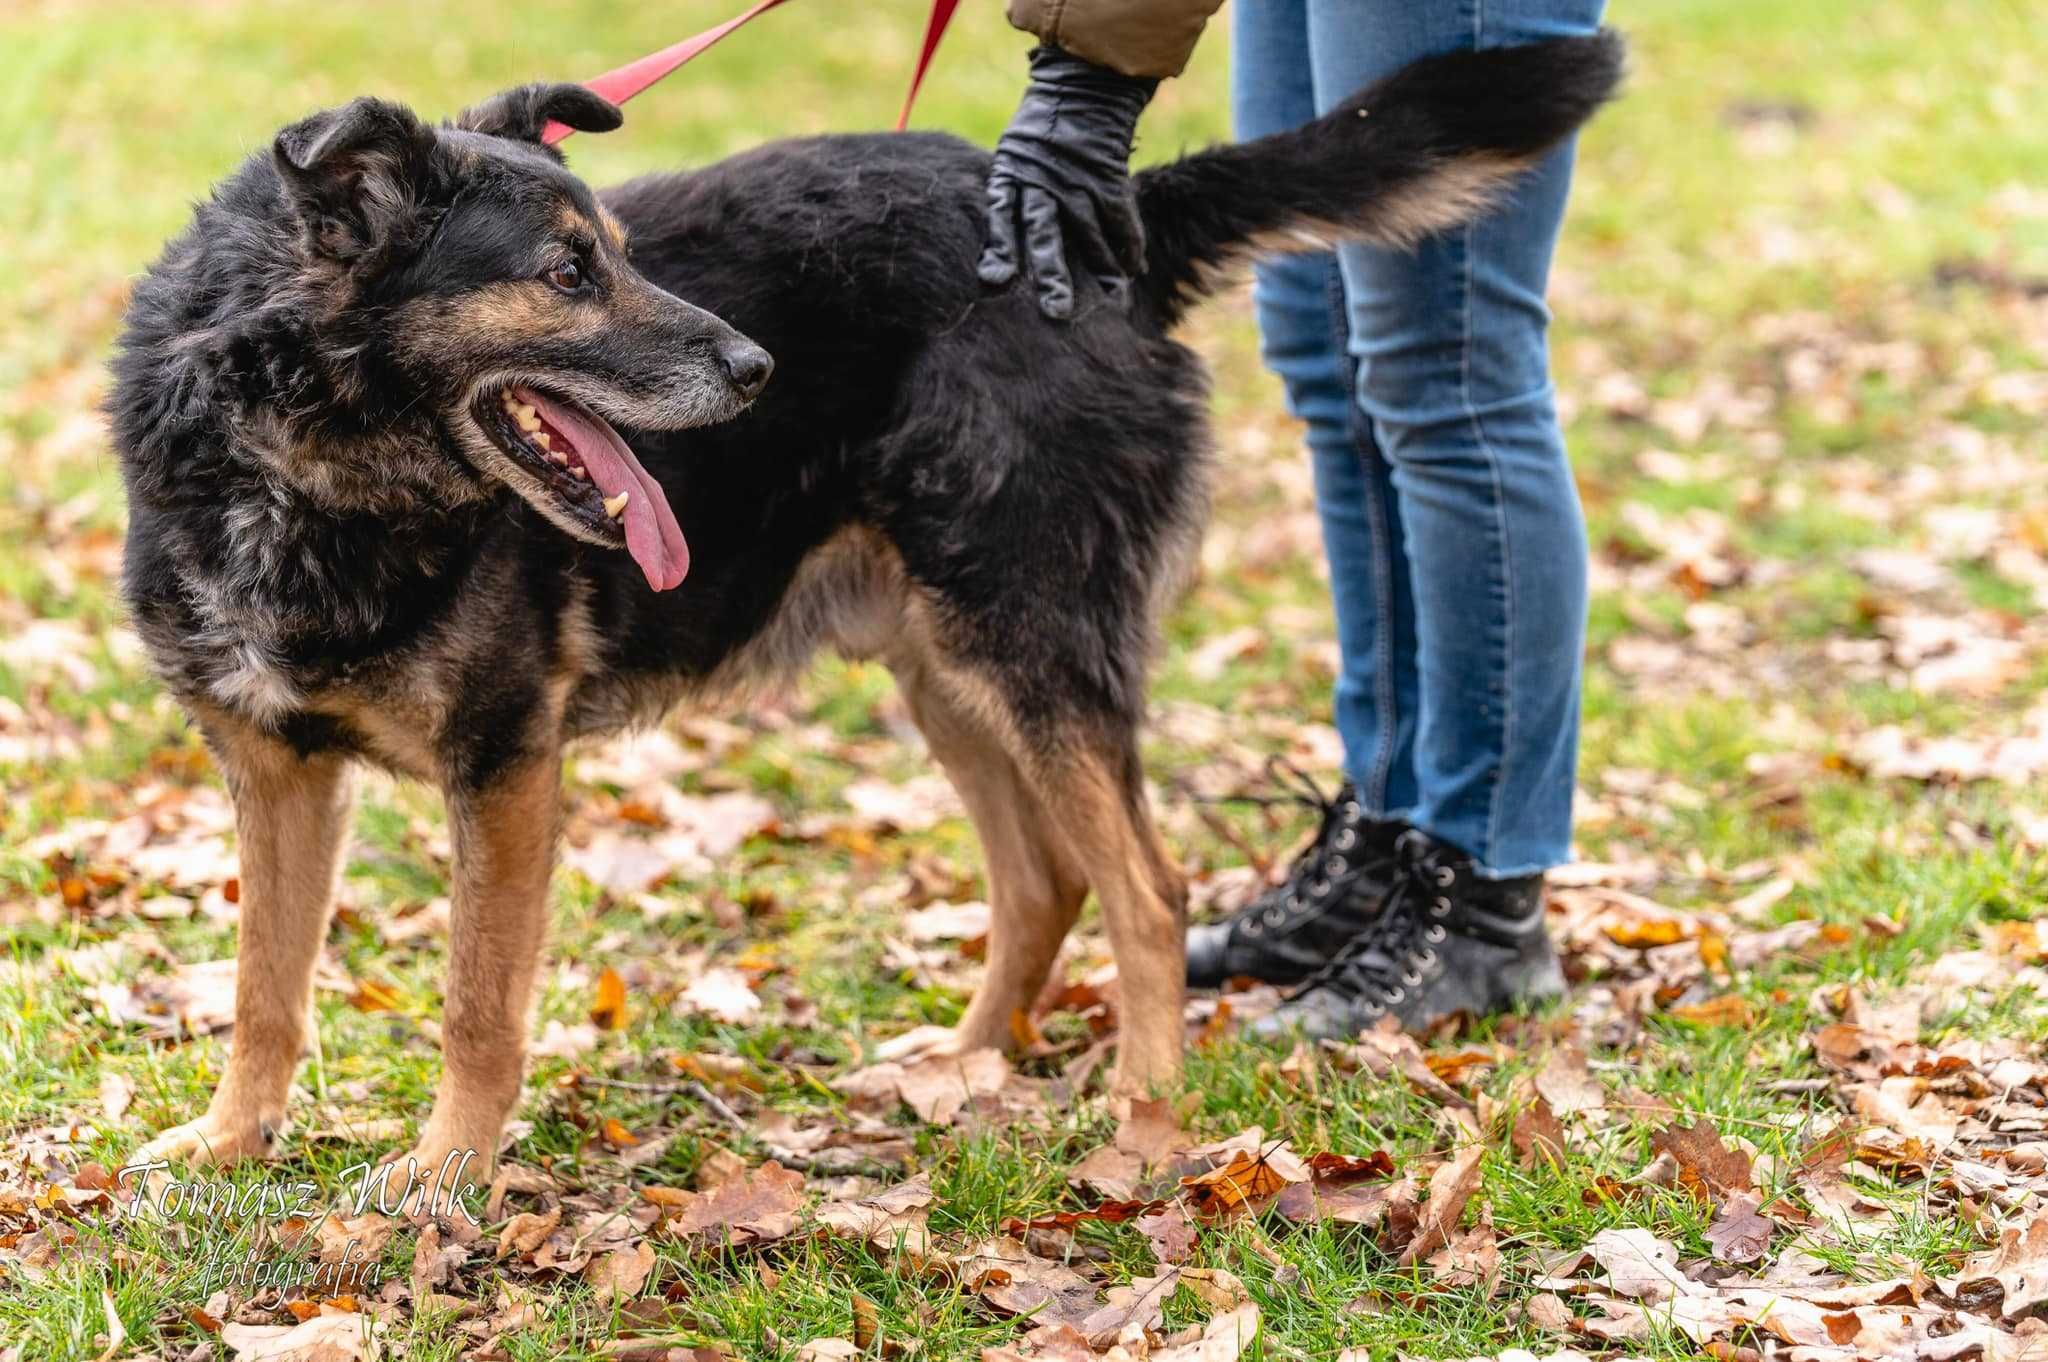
x=652 y=535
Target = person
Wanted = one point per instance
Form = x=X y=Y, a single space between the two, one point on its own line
x=1450 y=519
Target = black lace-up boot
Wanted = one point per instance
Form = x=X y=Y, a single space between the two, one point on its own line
x=1332 y=894
x=1445 y=942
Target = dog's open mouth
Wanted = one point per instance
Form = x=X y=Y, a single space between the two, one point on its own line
x=576 y=455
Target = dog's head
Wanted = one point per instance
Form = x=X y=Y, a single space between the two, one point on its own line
x=502 y=293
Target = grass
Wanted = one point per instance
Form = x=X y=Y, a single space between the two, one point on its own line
x=1709 y=262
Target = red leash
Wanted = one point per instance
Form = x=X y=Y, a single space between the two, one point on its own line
x=626 y=81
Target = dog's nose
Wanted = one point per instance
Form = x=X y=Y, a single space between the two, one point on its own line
x=749 y=367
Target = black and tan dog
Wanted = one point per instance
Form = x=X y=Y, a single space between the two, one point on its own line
x=421 y=439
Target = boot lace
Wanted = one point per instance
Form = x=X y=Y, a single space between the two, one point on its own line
x=1326 y=864
x=1397 y=951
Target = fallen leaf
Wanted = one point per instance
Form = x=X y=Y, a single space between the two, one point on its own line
x=754 y=1209
x=608 y=1012
x=621 y=1274
x=1567 y=1083
x=1739 y=1234
x=1730 y=1009
x=722 y=994
x=330 y=1336
x=1450 y=1188
x=1707 y=1168
x=892 y=1219
x=1639 y=1265
x=1245 y=1185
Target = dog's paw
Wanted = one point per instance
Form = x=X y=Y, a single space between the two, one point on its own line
x=205 y=1143
x=433 y=1177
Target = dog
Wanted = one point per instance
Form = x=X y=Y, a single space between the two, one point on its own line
x=431 y=467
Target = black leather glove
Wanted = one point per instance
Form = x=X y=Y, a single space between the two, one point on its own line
x=1061 y=187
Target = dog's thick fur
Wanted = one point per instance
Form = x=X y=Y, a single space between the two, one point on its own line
x=334 y=561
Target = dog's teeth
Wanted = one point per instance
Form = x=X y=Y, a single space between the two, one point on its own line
x=580 y=471
x=540 y=437
x=526 y=416
x=614 y=507
x=558 y=458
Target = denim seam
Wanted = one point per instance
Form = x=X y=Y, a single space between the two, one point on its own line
x=1504 y=695
x=1375 y=791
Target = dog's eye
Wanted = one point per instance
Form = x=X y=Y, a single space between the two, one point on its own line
x=567 y=276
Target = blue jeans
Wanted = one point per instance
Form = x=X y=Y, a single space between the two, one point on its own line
x=1457 y=548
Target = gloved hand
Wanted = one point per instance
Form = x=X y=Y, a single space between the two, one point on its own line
x=1061 y=184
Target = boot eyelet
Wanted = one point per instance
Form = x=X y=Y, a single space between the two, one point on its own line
x=1345 y=840
x=1318 y=887
x=1412 y=978
x=1426 y=960
x=1375 y=1010
x=1445 y=876
x=1338 y=865
x=1274 y=917
x=1394 y=995
x=1441 y=908
x=1434 y=934
x=1252 y=926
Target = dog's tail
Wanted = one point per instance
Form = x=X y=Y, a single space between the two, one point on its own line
x=1425 y=149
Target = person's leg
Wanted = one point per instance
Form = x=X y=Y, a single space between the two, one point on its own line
x=1302 y=328
x=1335 y=887
x=1453 y=376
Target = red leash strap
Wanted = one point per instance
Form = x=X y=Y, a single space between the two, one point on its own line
x=622 y=84
x=626 y=81
x=934 y=29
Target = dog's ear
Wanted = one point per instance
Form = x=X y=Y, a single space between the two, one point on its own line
x=522 y=112
x=356 y=174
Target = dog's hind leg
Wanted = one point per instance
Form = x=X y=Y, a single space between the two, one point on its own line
x=1092 y=784
x=1035 y=886
x=292 y=814
x=504 y=839
x=1068 y=794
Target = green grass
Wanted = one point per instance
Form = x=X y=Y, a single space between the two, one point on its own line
x=1697 y=255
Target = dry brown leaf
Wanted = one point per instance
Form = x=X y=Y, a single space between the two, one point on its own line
x=1739 y=1234
x=754 y=1209
x=433 y=1262
x=1173 y=1236
x=1538 y=1136
x=608 y=1011
x=1450 y=1188
x=892 y=1219
x=621 y=1274
x=1707 y=1167
x=1245 y=1185
x=525 y=1232
x=1223 y=1339
x=330 y=1336
x=1107 y=1213
x=2018 y=1267
x=1639 y=1265
x=936 y=1086
x=1471 y=1258
x=1566 y=1082
x=722 y=994
x=1730 y=1009
x=1337 y=1170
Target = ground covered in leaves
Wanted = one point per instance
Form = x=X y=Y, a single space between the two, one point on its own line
x=1797 y=1104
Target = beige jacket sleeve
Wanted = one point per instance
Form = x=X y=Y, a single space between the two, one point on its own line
x=1137 y=37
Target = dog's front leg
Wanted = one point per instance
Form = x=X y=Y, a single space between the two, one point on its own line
x=292 y=814
x=504 y=840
